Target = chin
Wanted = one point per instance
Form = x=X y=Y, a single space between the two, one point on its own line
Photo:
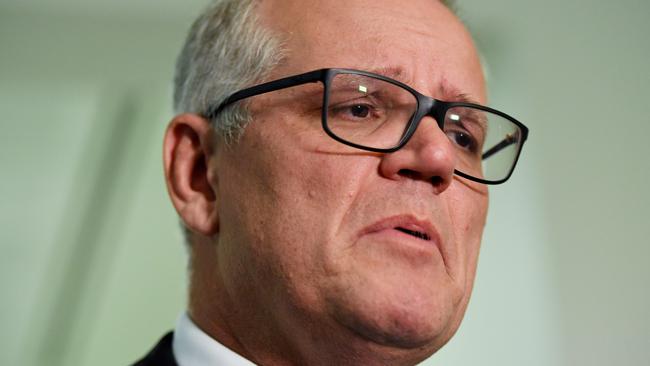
x=398 y=324
x=396 y=304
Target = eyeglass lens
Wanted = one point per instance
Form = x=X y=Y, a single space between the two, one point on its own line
x=367 y=111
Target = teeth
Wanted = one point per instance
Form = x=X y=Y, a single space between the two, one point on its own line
x=417 y=234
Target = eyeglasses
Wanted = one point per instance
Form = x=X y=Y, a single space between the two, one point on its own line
x=375 y=113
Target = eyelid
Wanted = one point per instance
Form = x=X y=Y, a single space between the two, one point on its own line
x=370 y=97
x=477 y=136
x=481 y=123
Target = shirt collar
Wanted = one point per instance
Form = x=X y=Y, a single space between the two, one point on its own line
x=193 y=347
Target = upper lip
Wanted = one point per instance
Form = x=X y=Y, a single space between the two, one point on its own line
x=422 y=229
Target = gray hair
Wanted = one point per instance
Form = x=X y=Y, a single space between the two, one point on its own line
x=226 y=50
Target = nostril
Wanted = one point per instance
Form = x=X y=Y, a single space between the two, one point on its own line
x=437 y=181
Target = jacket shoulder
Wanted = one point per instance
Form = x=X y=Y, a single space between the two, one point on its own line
x=161 y=354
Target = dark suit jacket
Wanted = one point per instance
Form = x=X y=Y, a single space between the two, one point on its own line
x=161 y=355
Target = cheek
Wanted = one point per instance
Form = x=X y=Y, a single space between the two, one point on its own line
x=282 y=202
x=468 y=209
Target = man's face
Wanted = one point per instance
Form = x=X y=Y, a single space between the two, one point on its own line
x=314 y=232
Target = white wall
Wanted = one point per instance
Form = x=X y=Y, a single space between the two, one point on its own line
x=93 y=258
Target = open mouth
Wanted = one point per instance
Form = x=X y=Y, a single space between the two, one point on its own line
x=417 y=234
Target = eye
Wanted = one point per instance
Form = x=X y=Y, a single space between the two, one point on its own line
x=354 y=111
x=359 y=111
x=463 y=140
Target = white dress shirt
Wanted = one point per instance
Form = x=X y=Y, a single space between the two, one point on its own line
x=193 y=347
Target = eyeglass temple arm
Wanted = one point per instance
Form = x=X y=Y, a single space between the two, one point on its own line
x=509 y=140
x=309 y=77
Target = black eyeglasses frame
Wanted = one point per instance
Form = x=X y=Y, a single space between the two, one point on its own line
x=426 y=106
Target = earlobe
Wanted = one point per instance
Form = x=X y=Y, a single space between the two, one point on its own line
x=187 y=152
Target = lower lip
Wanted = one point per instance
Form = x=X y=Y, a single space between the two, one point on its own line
x=404 y=240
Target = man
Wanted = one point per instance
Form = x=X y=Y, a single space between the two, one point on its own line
x=333 y=208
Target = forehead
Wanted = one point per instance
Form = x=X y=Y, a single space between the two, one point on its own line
x=421 y=39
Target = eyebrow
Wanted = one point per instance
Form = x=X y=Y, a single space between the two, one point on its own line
x=447 y=92
x=451 y=93
x=463 y=97
x=393 y=72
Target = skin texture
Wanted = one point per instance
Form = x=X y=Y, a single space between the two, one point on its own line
x=295 y=259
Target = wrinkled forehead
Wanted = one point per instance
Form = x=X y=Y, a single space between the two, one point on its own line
x=422 y=39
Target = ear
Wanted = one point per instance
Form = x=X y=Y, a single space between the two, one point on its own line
x=188 y=147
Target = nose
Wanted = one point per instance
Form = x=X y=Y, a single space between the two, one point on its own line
x=428 y=156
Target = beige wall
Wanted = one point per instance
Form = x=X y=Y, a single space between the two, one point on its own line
x=93 y=264
x=578 y=72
